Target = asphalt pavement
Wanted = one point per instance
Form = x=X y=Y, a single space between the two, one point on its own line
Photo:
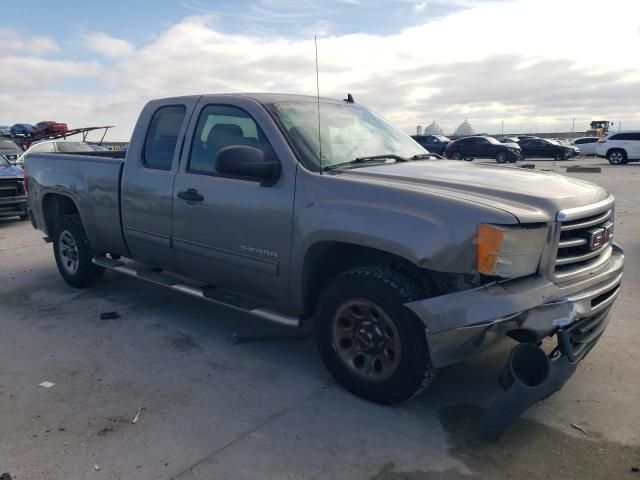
x=221 y=395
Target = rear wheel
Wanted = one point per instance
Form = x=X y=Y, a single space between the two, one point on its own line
x=501 y=157
x=457 y=156
x=370 y=342
x=73 y=253
x=617 y=157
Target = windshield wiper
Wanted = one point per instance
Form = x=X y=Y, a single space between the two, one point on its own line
x=370 y=158
x=423 y=156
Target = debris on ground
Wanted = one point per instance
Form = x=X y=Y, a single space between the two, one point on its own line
x=96 y=467
x=135 y=419
x=578 y=427
x=46 y=384
x=633 y=469
x=5 y=476
x=530 y=166
x=580 y=169
x=109 y=315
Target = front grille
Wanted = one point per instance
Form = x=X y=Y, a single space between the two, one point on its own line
x=585 y=242
x=11 y=188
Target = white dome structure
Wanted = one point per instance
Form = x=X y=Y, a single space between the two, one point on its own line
x=433 y=129
x=464 y=129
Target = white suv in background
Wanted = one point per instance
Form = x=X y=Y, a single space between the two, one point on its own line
x=586 y=145
x=620 y=147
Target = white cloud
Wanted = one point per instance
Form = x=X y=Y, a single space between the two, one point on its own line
x=21 y=73
x=107 y=45
x=419 y=6
x=531 y=63
x=13 y=42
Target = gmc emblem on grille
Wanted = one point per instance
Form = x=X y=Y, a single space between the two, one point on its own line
x=597 y=237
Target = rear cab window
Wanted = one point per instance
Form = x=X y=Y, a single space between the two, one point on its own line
x=162 y=137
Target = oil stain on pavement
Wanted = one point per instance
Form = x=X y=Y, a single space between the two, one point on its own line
x=529 y=449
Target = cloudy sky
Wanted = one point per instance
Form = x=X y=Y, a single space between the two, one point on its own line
x=534 y=64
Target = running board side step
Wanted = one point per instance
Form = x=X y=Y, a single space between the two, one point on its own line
x=212 y=294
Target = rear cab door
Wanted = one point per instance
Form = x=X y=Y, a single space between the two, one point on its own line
x=149 y=172
x=237 y=236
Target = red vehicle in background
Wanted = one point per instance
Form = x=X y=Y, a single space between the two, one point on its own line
x=49 y=128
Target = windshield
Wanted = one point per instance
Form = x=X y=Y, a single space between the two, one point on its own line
x=74 y=147
x=348 y=132
x=493 y=140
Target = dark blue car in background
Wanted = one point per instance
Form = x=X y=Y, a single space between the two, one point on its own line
x=21 y=129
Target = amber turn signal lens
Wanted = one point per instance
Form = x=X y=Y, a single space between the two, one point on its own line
x=488 y=246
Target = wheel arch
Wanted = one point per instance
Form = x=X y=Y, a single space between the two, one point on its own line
x=616 y=149
x=54 y=206
x=325 y=260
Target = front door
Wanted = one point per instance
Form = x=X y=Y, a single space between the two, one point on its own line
x=232 y=232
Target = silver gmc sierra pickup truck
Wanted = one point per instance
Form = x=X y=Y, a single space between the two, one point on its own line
x=307 y=211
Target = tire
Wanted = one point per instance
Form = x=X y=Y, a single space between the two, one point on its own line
x=456 y=156
x=501 y=157
x=24 y=216
x=617 y=157
x=361 y=321
x=73 y=253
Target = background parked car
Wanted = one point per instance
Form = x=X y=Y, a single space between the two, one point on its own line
x=9 y=150
x=509 y=140
x=24 y=129
x=469 y=148
x=545 y=148
x=586 y=145
x=61 y=146
x=621 y=147
x=5 y=131
x=433 y=143
x=49 y=127
x=575 y=151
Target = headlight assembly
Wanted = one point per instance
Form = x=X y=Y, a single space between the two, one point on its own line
x=509 y=252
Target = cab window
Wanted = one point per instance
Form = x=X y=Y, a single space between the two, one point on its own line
x=162 y=137
x=221 y=126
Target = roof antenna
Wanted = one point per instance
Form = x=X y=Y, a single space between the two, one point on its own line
x=349 y=99
x=315 y=40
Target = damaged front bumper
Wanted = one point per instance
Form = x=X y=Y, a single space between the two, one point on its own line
x=462 y=324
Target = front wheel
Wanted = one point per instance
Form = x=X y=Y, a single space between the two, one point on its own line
x=370 y=342
x=457 y=156
x=73 y=253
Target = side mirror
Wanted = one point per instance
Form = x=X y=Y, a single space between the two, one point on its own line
x=246 y=161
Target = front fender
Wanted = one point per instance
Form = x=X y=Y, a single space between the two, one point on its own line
x=431 y=231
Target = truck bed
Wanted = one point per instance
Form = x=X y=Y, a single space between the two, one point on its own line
x=92 y=182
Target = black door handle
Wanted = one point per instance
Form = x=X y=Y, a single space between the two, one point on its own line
x=191 y=195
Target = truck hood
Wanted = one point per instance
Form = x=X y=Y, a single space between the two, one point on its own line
x=11 y=172
x=529 y=195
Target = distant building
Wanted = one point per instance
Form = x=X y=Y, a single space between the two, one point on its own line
x=433 y=129
x=464 y=129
